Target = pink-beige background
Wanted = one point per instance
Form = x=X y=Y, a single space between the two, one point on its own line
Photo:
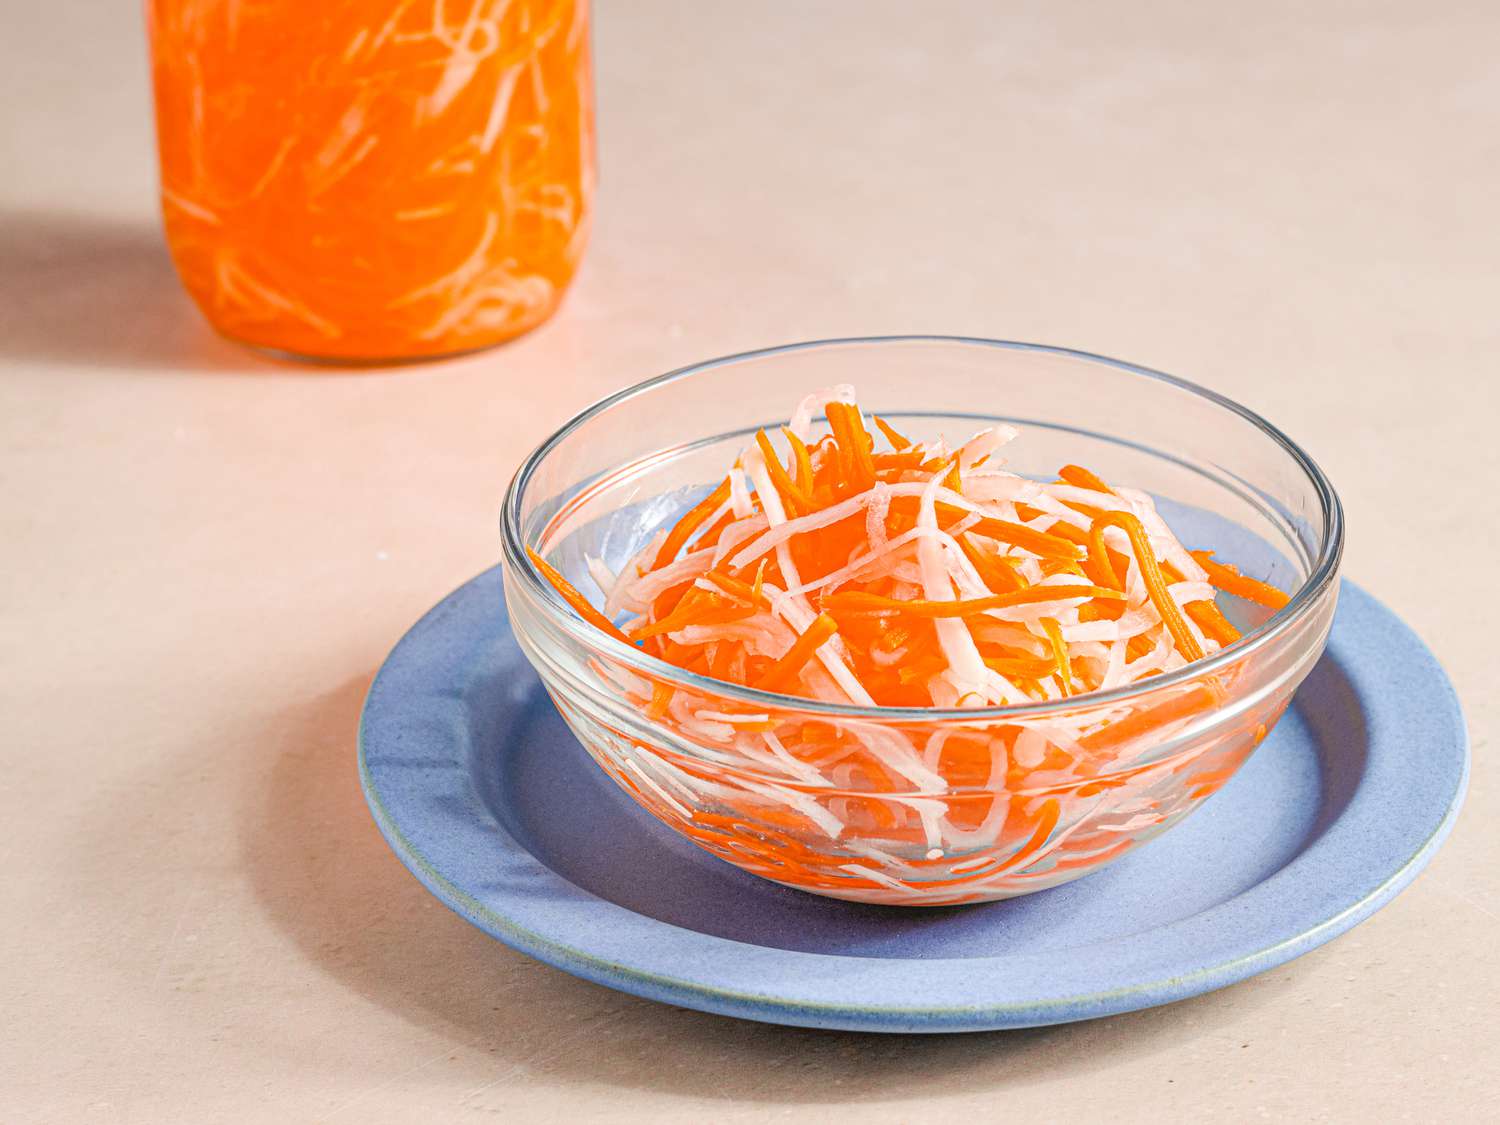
x=207 y=555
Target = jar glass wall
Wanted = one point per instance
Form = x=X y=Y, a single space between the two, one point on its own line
x=369 y=181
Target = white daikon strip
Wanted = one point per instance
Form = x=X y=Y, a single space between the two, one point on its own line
x=793 y=764
x=739 y=495
x=985 y=442
x=874 y=874
x=651 y=783
x=738 y=533
x=814 y=404
x=652 y=585
x=876 y=510
x=969 y=671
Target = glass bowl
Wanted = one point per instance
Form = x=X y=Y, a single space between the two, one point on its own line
x=923 y=806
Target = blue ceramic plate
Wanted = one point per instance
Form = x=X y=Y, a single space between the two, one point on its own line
x=487 y=797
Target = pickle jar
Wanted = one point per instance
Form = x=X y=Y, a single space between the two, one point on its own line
x=360 y=181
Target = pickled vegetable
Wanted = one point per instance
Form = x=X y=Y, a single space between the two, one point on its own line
x=371 y=181
x=856 y=569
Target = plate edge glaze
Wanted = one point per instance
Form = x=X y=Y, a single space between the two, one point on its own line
x=899 y=1018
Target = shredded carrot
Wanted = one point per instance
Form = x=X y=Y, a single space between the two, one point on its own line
x=997 y=574
x=792 y=498
x=711 y=534
x=1075 y=535
x=1156 y=585
x=661 y=699
x=891 y=464
x=863 y=445
x=742 y=590
x=1103 y=568
x=1231 y=581
x=1041 y=543
x=854 y=445
x=1059 y=652
x=898 y=441
x=696 y=611
x=1214 y=624
x=679 y=535
x=1205 y=614
x=785 y=670
x=803 y=461
x=858 y=602
x=1080 y=477
x=1028 y=667
x=581 y=605
x=1045 y=823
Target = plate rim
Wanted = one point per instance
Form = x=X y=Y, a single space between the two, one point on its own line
x=769 y=1006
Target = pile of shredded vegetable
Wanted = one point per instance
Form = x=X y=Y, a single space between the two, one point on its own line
x=905 y=574
x=862 y=567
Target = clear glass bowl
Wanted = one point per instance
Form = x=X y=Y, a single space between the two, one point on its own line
x=971 y=805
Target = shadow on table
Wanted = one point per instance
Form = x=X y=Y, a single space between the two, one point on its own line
x=326 y=877
x=101 y=291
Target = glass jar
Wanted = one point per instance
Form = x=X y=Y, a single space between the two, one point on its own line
x=366 y=181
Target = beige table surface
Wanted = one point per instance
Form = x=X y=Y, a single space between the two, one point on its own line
x=206 y=555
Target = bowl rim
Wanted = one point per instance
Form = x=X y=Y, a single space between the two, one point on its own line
x=1320 y=578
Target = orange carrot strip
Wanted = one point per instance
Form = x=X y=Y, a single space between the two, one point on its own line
x=760 y=578
x=1213 y=623
x=785 y=670
x=667 y=600
x=696 y=613
x=839 y=437
x=1059 y=653
x=998 y=576
x=1156 y=585
x=1040 y=543
x=853 y=442
x=921 y=669
x=581 y=605
x=1086 y=510
x=680 y=534
x=896 y=462
x=711 y=536
x=1047 y=819
x=803 y=460
x=951 y=479
x=792 y=498
x=1205 y=614
x=1029 y=667
x=857 y=601
x=1104 y=571
x=1051 y=567
x=736 y=588
x=897 y=440
x=864 y=444
x=661 y=699
x=1079 y=477
x=1231 y=581
x=1196 y=698
x=1072 y=534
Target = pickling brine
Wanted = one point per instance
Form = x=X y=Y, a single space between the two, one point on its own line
x=365 y=181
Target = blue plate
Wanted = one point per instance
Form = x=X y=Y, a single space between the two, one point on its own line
x=483 y=792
